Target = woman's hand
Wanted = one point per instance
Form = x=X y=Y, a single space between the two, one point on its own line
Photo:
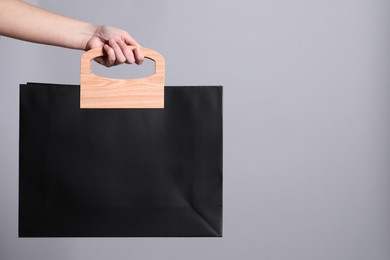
x=114 y=42
x=38 y=25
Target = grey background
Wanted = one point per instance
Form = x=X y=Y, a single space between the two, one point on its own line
x=306 y=123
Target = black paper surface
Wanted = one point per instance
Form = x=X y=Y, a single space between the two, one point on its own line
x=120 y=172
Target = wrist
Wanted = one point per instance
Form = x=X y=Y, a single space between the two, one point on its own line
x=89 y=31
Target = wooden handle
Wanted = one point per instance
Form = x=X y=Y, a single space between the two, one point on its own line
x=100 y=92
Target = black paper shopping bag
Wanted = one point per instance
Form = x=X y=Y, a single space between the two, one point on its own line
x=120 y=172
x=120 y=158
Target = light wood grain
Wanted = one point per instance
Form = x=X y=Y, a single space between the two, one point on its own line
x=101 y=92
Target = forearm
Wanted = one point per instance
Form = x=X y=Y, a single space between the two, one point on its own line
x=23 y=21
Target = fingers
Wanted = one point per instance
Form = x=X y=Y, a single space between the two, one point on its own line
x=115 y=44
x=128 y=54
x=118 y=52
x=110 y=58
x=138 y=55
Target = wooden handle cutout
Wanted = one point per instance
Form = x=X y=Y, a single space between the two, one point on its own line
x=101 y=92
